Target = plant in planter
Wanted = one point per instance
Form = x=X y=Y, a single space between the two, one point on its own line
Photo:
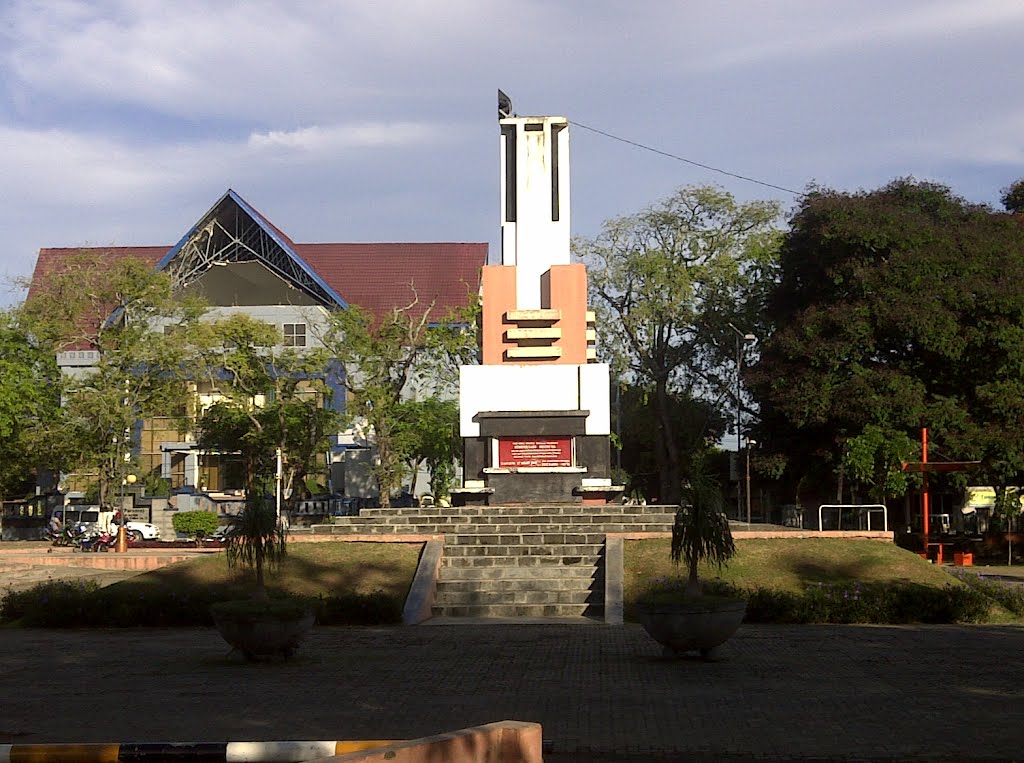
x=197 y=525
x=682 y=618
x=278 y=439
x=260 y=627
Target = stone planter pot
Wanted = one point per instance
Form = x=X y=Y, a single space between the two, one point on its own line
x=698 y=625
x=262 y=633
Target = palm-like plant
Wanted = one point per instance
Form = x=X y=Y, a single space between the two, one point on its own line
x=701 y=531
x=256 y=540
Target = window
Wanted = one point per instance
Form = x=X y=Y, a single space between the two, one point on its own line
x=295 y=335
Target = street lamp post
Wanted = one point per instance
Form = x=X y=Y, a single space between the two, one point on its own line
x=741 y=339
x=122 y=530
x=749 y=443
x=277 y=486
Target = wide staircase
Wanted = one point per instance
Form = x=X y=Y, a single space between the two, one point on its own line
x=516 y=561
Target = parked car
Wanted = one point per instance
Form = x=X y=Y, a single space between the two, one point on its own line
x=137 y=531
x=91 y=521
x=140 y=531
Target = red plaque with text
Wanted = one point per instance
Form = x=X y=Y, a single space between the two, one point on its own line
x=514 y=452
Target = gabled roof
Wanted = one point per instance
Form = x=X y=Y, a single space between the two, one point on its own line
x=51 y=260
x=233 y=231
x=377 y=277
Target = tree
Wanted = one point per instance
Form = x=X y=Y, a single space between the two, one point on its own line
x=874 y=459
x=256 y=539
x=30 y=385
x=274 y=398
x=694 y=422
x=128 y=313
x=428 y=433
x=411 y=349
x=1013 y=197
x=700 y=532
x=895 y=309
x=666 y=282
x=196 y=524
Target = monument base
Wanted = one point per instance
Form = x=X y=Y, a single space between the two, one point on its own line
x=536 y=457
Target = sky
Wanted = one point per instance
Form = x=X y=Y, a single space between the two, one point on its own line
x=122 y=122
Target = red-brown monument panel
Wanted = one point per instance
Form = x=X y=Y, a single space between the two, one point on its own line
x=544 y=452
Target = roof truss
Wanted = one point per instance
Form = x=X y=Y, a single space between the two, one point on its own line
x=233 y=232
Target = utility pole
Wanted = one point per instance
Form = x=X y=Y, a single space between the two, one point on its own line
x=749 y=443
x=741 y=340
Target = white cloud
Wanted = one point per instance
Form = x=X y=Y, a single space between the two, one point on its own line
x=61 y=166
x=995 y=140
x=122 y=120
x=801 y=30
x=247 y=59
x=317 y=140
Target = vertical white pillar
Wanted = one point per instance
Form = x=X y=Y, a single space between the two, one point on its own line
x=534 y=200
x=277 y=486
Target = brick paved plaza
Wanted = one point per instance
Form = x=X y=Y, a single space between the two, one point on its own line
x=601 y=692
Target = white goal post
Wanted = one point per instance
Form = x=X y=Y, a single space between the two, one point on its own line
x=866 y=509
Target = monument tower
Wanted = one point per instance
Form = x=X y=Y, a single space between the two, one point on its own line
x=534 y=416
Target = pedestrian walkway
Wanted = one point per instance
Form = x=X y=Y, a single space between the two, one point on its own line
x=602 y=693
x=23 y=565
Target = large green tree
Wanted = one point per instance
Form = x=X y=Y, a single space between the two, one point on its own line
x=272 y=397
x=666 y=283
x=895 y=309
x=694 y=422
x=30 y=385
x=1013 y=197
x=412 y=351
x=428 y=434
x=127 y=313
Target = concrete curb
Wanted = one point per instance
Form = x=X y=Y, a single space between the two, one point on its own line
x=422 y=592
x=614 y=577
x=501 y=742
x=195 y=752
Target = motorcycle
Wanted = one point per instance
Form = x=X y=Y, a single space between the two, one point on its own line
x=101 y=541
x=66 y=536
x=78 y=535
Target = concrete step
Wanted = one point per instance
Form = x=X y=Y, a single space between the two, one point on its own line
x=541 y=523
x=503 y=519
x=524 y=549
x=525 y=539
x=521 y=572
x=514 y=585
x=521 y=511
x=536 y=560
x=489 y=598
x=505 y=528
x=544 y=520
x=519 y=610
x=467 y=530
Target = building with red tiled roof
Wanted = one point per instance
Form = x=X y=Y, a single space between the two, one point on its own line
x=238 y=261
x=374 y=276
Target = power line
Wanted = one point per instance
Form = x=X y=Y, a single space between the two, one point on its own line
x=688 y=161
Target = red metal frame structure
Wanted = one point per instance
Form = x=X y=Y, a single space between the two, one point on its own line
x=924 y=467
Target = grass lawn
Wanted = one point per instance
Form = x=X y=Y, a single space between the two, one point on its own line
x=363 y=582
x=788 y=564
x=310 y=569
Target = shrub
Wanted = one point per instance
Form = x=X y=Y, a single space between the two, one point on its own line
x=1010 y=596
x=359 y=609
x=53 y=604
x=195 y=524
x=245 y=608
x=63 y=604
x=881 y=603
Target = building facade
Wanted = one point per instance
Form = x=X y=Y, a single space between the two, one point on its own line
x=238 y=262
